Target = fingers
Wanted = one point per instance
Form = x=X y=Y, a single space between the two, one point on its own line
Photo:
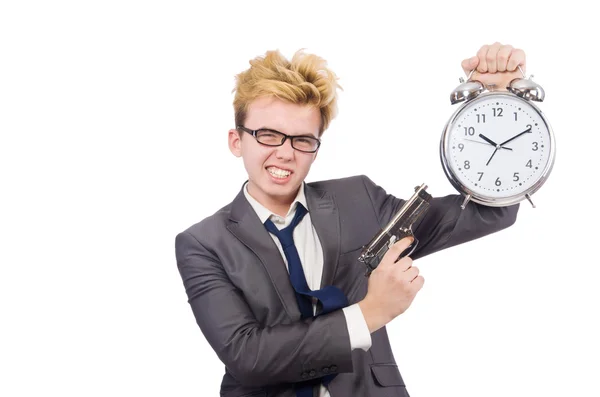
x=395 y=250
x=515 y=59
x=469 y=64
x=491 y=57
x=418 y=282
x=482 y=56
x=498 y=58
x=502 y=58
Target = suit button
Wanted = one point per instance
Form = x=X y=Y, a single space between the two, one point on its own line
x=326 y=370
x=333 y=368
x=304 y=375
x=312 y=373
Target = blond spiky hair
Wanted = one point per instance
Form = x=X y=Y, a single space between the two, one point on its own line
x=305 y=80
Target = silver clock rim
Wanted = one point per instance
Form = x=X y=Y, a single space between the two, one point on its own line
x=485 y=199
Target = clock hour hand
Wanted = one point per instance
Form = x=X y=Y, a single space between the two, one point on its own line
x=516 y=136
x=488 y=140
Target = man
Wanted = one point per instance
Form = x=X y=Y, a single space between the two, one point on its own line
x=273 y=278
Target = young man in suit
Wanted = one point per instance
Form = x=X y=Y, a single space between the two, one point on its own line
x=273 y=278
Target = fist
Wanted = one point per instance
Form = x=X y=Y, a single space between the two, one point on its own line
x=392 y=287
x=495 y=65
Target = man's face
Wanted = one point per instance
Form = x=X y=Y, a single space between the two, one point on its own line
x=275 y=173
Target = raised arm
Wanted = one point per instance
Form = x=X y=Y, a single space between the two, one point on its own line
x=445 y=224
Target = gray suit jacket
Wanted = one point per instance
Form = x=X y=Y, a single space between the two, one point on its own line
x=241 y=296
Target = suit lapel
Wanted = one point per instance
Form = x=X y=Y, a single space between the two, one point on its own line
x=246 y=226
x=325 y=219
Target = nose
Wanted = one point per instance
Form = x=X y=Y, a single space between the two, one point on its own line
x=285 y=151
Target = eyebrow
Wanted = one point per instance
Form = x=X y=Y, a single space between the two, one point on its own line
x=273 y=129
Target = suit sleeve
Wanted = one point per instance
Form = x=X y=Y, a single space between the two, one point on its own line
x=445 y=224
x=256 y=355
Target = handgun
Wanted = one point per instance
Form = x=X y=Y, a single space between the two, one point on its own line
x=399 y=227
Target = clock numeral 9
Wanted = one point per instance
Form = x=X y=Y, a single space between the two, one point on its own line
x=461 y=146
x=469 y=130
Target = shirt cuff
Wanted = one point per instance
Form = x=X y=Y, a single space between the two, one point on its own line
x=360 y=337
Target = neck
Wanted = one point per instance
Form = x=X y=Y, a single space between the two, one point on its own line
x=279 y=205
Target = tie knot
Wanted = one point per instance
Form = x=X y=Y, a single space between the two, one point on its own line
x=285 y=235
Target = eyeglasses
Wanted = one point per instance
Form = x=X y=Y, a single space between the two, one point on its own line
x=303 y=143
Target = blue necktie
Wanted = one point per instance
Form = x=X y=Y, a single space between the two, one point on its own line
x=330 y=297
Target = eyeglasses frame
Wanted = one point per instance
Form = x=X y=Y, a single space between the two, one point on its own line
x=285 y=138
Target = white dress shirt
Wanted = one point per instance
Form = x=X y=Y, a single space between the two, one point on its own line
x=311 y=256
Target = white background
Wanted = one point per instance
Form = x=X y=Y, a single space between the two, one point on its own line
x=113 y=123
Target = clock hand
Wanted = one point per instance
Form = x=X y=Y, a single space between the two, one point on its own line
x=495 y=150
x=516 y=136
x=486 y=139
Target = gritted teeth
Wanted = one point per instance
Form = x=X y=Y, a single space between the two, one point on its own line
x=278 y=172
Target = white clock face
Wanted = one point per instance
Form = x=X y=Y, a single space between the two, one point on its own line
x=498 y=146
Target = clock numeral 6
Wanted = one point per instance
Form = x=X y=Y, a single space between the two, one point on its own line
x=498 y=183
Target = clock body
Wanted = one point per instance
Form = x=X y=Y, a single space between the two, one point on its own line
x=497 y=149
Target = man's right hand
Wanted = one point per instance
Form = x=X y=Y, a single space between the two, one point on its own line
x=392 y=287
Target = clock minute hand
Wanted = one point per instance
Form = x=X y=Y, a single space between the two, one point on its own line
x=516 y=136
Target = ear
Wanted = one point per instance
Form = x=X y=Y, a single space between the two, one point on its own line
x=235 y=142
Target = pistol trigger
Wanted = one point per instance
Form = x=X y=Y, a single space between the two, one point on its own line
x=393 y=239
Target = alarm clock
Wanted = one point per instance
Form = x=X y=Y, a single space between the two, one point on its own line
x=498 y=148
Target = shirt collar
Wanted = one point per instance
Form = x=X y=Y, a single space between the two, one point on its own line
x=264 y=214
